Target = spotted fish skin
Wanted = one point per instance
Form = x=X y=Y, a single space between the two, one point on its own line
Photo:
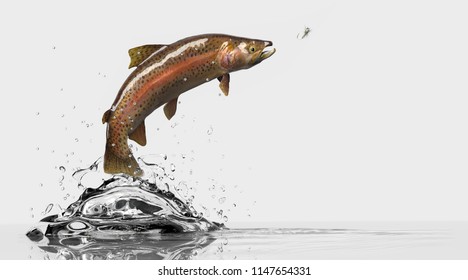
x=163 y=73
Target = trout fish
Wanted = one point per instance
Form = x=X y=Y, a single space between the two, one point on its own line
x=163 y=72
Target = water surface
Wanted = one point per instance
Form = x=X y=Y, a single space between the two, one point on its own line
x=428 y=240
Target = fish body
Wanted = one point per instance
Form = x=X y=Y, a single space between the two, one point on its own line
x=163 y=72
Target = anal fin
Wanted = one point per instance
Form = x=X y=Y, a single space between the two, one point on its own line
x=105 y=117
x=170 y=108
x=139 y=134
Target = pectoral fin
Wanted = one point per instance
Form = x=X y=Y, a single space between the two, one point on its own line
x=224 y=83
x=170 y=108
x=141 y=53
x=139 y=134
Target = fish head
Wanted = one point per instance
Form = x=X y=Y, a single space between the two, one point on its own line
x=237 y=54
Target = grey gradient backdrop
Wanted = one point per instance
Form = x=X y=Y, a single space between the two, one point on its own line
x=365 y=119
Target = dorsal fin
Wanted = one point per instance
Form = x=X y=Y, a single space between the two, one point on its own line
x=141 y=53
x=139 y=134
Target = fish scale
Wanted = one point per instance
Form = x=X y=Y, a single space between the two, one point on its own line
x=162 y=74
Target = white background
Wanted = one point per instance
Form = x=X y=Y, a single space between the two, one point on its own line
x=364 y=119
x=319 y=269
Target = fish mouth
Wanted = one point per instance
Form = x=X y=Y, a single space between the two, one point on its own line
x=266 y=52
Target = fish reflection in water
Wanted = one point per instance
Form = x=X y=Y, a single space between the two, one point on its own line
x=182 y=246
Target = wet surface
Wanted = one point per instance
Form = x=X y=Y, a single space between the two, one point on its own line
x=421 y=241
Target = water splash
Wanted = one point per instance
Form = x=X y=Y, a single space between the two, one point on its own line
x=48 y=209
x=124 y=205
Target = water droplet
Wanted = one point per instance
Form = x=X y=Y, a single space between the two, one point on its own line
x=48 y=209
x=113 y=144
x=129 y=166
x=62 y=168
x=41 y=185
x=210 y=130
x=62 y=116
x=37 y=113
x=183 y=156
x=234 y=205
x=53 y=47
x=63 y=188
x=225 y=219
x=134 y=103
x=172 y=167
x=220 y=214
x=185 y=79
x=221 y=200
x=207 y=79
x=182 y=187
x=164 y=156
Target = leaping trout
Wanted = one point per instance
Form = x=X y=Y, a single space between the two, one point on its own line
x=163 y=72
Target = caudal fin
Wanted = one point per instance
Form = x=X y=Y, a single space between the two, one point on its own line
x=113 y=164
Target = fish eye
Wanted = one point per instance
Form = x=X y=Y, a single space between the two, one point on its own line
x=252 y=49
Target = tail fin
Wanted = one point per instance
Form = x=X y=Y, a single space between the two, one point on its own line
x=114 y=164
